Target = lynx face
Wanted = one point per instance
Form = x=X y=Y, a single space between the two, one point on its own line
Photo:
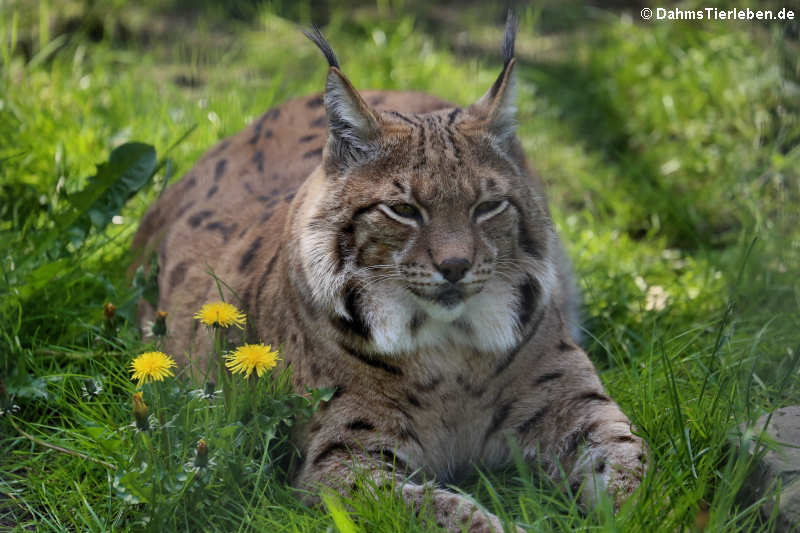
x=438 y=238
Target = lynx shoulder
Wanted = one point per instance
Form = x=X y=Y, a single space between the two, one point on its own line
x=399 y=249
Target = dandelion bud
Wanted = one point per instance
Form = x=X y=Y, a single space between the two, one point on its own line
x=160 y=324
x=140 y=412
x=201 y=454
x=110 y=311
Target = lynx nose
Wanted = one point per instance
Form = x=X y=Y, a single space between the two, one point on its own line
x=454 y=268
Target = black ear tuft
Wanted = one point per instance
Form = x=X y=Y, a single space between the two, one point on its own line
x=510 y=37
x=317 y=38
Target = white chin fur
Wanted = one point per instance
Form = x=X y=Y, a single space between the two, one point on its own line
x=489 y=316
x=438 y=312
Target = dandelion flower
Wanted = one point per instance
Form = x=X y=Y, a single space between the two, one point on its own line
x=151 y=366
x=220 y=314
x=251 y=357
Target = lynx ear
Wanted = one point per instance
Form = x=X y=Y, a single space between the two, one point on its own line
x=496 y=110
x=352 y=126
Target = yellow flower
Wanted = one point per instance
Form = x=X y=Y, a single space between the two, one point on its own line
x=251 y=357
x=151 y=366
x=220 y=314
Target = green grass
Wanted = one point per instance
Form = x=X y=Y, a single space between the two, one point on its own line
x=672 y=161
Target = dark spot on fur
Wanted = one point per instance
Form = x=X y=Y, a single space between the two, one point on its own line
x=212 y=191
x=317 y=101
x=248 y=187
x=550 y=376
x=451 y=116
x=490 y=183
x=178 y=274
x=592 y=427
x=315 y=371
x=268 y=201
x=403 y=117
x=219 y=169
x=428 y=386
x=416 y=322
x=222 y=228
x=377 y=100
x=359 y=424
x=407 y=433
x=592 y=396
x=363 y=209
x=330 y=449
x=268 y=134
x=526 y=242
x=345 y=240
x=413 y=400
x=316 y=152
x=249 y=254
x=266 y=216
x=337 y=393
x=316 y=426
x=475 y=392
x=288 y=197
x=307 y=138
x=463 y=327
x=601 y=466
x=624 y=438
x=258 y=160
x=498 y=418
x=198 y=218
x=262 y=282
x=564 y=346
x=511 y=355
x=355 y=324
x=257 y=130
x=388 y=456
x=319 y=122
x=375 y=362
x=189 y=182
x=183 y=209
x=531 y=422
x=528 y=296
x=572 y=441
x=273 y=114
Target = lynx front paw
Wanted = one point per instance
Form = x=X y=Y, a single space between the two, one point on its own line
x=454 y=512
x=614 y=466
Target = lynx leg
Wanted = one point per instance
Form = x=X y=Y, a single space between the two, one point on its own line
x=590 y=440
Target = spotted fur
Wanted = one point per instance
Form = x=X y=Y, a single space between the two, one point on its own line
x=400 y=250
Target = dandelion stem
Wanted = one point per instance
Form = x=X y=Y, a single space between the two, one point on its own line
x=162 y=422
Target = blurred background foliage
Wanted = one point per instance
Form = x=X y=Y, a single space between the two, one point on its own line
x=670 y=151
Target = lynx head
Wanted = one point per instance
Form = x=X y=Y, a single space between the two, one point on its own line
x=428 y=231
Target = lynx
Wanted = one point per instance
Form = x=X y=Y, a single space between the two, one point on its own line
x=400 y=250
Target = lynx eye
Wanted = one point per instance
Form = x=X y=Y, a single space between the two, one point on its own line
x=487 y=209
x=405 y=211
